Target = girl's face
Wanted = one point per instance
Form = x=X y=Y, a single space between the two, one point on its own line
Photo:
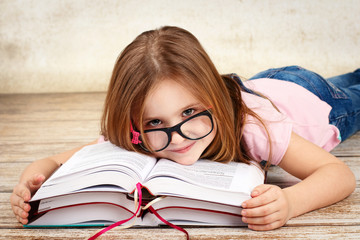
x=168 y=105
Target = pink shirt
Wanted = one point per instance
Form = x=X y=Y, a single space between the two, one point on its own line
x=301 y=112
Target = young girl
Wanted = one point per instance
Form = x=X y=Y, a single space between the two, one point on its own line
x=167 y=99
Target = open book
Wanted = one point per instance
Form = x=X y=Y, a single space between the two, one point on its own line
x=96 y=186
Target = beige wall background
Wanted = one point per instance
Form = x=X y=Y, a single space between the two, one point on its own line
x=71 y=46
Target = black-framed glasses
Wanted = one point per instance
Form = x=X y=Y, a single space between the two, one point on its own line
x=194 y=128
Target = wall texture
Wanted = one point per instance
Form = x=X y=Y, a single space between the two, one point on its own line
x=70 y=46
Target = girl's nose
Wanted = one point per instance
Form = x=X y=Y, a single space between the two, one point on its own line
x=176 y=138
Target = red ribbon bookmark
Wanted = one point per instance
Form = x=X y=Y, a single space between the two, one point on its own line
x=138 y=187
x=151 y=209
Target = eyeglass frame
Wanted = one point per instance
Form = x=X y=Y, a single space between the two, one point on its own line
x=176 y=128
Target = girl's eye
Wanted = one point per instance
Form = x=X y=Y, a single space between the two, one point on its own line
x=154 y=123
x=188 y=112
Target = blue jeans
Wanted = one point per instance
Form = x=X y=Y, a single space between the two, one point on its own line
x=342 y=93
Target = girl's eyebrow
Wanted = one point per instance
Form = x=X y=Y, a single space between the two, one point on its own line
x=191 y=105
x=194 y=105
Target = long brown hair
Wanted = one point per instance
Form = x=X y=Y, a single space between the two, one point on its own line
x=174 y=53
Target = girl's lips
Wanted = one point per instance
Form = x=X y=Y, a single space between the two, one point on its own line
x=184 y=149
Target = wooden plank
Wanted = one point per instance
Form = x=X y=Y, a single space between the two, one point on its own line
x=31 y=151
x=50 y=117
x=51 y=107
x=10 y=174
x=324 y=232
x=350 y=147
x=41 y=131
x=4 y=197
x=278 y=176
x=345 y=212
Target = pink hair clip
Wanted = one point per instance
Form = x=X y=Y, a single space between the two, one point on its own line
x=135 y=135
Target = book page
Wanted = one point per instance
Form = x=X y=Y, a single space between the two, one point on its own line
x=104 y=156
x=102 y=164
x=232 y=176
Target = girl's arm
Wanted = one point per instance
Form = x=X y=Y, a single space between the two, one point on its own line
x=32 y=178
x=325 y=180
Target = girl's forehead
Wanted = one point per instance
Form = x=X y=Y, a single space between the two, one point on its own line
x=168 y=97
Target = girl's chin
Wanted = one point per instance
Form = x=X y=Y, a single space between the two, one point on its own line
x=185 y=161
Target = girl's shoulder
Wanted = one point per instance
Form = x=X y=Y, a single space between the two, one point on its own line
x=278 y=126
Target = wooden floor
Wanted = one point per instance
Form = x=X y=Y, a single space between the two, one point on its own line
x=36 y=126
